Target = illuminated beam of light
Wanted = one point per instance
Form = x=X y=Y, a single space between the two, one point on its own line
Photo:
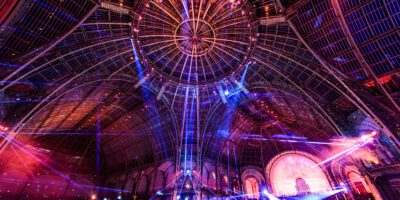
x=236 y=160
x=191 y=180
x=207 y=188
x=263 y=193
x=136 y=57
x=269 y=195
x=141 y=73
x=221 y=94
x=183 y=182
x=98 y=137
x=62 y=13
x=2 y=64
x=344 y=153
x=140 y=82
x=81 y=134
x=45 y=100
x=159 y=192
x=319 y=196
x=65 y=14
x=185 y=11
x=241 y=87
x=234 y=192
x=161 y=92
x=185 y=129
x=16 y=144
x=30 y=83
x=244 y=74
x=191 y=131
x=299 y=141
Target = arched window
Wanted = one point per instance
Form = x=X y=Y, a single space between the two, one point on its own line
x=302 y=187
x=356 y=181
x=253 y=181
x=252 y=188
x=294 y=174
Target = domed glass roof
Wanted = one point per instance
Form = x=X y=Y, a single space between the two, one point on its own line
x=196 y=42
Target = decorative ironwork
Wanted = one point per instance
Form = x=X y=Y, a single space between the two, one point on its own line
x=195 y=42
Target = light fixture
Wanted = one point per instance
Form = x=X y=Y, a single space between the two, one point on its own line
x=265 y=192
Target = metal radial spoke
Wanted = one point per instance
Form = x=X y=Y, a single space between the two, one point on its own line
x=184 y=66
x=171 y=36
x=193 y=17
x=217 y=9
x=215 y=56
x=207 y=9
x=227 y=13
x=172 y=50
x=159 y=18
x=168 y=12
x=230 y=47
x=230 y=24
x=160 y=42
x=176 y=65
x=203 y=68
x=222 y=58
x=186 y=9
x=210 y=67
x=226 y=40
x=226 y=52
x=177 y=9
x=195 y=36
x=161 y=48
x=198 y=15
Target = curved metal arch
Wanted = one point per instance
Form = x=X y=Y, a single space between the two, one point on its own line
x=51 y=61
x=30 y=61
x=65 y=84
x=153 y=146
x=339 y=15
x=76 y=87
x=252 y=172
x=308 y=149
x=332 y=122
x=94 y=89
x=219 y=103
x=291 y=94
x=16 y=128
x=357 y=101
x=278 y=51
x=164 y=100
x=97 y=80
x=229 y=142
x=308 y=68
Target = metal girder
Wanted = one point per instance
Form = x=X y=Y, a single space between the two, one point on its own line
x=358 y=54
x=17 y=126
x=353 y=97
x=272 y=20
x=48 y=48
x=108 y=23
x=332 y=123
x=8 y=9
x=57 y=58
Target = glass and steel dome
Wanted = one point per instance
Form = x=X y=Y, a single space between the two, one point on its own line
x=199 y=99
x=196 y=42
